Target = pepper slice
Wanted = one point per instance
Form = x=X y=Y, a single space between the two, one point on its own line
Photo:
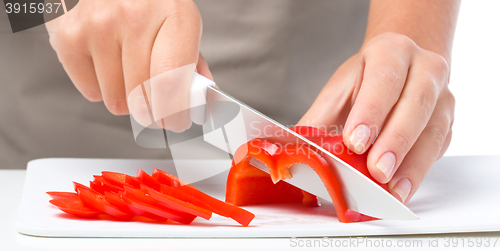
x=138 y=199
x=118 y=201
x=74 y=206
x=219 y=207
x=279 y=157
x=97 y=201
x=120 y=179
x=101 y=185
x=62 y=195
x=169 y=179
x=147 y=180
x=177 y=204
x=70 y=203
x=185 y=191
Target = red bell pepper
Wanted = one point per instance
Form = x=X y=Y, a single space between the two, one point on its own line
x=247 y=185
x=334 y=143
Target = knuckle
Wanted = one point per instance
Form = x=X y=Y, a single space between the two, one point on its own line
x=437 y=134
x=401 y=139
x=426 y=97
x=438 y=64
x=184 y=12
x=450 y=98
x=182 y=6
x=134 y=13
x=102 y=23
x=401 y=41
x=419 y=168
x=387 y=76
x=372 y=109
x=438 y=61
x=404 y=42
x=67 y=42
x=425 y=104
x=131 y=7
x=69 y=36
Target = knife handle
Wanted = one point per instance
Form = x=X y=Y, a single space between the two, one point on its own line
x=198 y=97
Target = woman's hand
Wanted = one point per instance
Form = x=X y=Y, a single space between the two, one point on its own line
x=110 y=47
x=392 y=96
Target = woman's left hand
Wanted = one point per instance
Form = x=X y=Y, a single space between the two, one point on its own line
x=392 y=96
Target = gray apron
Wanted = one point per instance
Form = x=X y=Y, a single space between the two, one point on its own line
x=273 y=55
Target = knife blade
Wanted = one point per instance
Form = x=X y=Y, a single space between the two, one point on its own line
x=237 y=123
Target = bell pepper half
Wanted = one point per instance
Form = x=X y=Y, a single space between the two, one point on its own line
x=248 y=185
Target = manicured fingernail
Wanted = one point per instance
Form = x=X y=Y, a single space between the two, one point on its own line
x=359 y=137
x=386 y=163
x=403 y=188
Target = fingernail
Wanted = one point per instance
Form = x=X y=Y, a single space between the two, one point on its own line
x=386 y=163
x=359 y=137
x=403 y=188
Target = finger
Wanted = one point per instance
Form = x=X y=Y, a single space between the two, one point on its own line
x=173 y=61
x=446 y=143
x=425 y=151
x=385 y=72
x=409 y=117
x=77 y=62
x=202 y=68
x=136 y=60
x=108 y=66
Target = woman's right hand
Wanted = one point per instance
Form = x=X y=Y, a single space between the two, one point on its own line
x=108 y=48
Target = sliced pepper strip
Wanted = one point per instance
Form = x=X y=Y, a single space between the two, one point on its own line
x=95 y=200
x=101 y=185
x=185 y=190
x=120 y=179
x=147 y=180
x=177 y=204
x=74 y=206
x=138 y=199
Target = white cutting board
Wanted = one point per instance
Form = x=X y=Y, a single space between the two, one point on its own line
x=460 y=194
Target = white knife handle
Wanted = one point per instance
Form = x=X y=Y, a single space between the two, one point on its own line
x=198 y=97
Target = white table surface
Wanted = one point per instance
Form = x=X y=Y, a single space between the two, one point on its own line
x=12 y=182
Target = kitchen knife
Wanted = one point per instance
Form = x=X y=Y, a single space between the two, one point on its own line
x=229 y=123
